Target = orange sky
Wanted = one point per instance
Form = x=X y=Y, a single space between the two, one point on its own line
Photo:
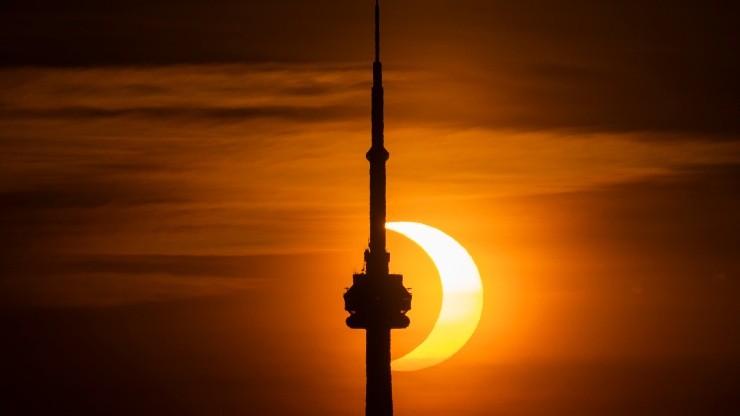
x=183 y=201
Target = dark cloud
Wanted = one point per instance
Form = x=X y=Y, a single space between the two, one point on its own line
x=81 y=195
x=192 y=356
x=689 y=217
x=47 y=279
x=626 y=66
x=167 y=32
x=677 y=231
x=190 y=114
x=46 y=217
x=574 y=65
x=186 y=266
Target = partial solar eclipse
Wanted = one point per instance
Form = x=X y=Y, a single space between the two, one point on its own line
x=462 y=297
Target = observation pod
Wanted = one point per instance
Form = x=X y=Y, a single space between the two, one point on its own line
x=382 y=303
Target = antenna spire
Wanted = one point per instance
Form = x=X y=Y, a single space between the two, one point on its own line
x=377 y=31
x=377 y=155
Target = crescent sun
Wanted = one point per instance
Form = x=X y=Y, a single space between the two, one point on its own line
x=462 y=296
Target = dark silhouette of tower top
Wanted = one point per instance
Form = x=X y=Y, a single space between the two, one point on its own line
x=377 y=301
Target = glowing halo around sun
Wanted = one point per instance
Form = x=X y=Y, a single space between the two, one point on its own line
x=462 y=297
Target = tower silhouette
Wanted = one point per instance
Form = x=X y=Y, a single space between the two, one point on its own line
x=377 y=301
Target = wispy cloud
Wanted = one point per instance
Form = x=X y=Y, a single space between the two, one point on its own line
x=251 y=158
x=94 y=281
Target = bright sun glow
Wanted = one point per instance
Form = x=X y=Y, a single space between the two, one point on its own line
x=462 y=296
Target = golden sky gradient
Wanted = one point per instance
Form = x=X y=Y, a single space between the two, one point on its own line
x=183 y=194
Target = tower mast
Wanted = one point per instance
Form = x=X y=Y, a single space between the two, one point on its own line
x=377 y=300
x=377 y=156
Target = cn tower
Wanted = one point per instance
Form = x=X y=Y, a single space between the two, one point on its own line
x=377 y=301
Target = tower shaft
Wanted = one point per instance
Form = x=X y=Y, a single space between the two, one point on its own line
x=379 y=390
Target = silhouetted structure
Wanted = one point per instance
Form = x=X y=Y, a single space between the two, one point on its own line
x=377 y=301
